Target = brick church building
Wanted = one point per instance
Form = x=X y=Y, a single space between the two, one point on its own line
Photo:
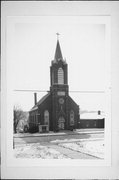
x=56 y=110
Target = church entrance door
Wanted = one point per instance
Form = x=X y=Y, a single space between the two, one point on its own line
x=61 y=123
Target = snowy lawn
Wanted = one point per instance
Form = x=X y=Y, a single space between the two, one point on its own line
x=94 y=148
x=35 y=150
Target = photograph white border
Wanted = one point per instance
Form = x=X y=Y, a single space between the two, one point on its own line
x=60 y=10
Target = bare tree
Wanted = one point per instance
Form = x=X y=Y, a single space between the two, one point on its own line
x=17 y=116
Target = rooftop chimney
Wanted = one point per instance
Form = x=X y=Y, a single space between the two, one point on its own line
x=35 y=98
x=99 y=112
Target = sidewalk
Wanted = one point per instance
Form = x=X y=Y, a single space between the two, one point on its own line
x=63 y=133
x=90 y=131
x=71 y=153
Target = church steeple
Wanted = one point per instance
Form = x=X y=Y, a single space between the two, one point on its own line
x=58 y=53
x=58 y=69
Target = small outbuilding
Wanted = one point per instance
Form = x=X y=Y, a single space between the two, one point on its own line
x=92 y=120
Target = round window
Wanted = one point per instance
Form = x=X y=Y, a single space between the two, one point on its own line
x=61 y=100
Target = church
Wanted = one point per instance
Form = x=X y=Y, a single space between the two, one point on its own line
x=56 y=110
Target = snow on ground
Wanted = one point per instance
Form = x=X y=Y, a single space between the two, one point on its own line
x=35 y=150
x=72 y=140
x=94 y=148
x=64 y=140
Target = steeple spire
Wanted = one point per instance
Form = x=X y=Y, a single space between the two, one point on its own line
x=58 y=53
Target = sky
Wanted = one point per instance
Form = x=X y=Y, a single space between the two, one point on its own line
x=83 y=46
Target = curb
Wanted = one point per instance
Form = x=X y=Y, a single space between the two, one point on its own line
x=62 y=134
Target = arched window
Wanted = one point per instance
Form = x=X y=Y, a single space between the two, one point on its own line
x=60 y=76
x=46 y=117
x=72 y=117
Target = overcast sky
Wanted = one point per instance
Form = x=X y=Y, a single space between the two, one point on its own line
x=83 y=46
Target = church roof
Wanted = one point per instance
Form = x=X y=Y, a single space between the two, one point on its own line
x=91 y=116
x=72 y=100
x=39 y=102
x=58 y=53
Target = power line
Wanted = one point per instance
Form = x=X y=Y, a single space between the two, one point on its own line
x=87 y=91
x=35 y=90
x=30 y=90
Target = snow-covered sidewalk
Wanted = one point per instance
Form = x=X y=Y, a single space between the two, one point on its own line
x=35 y=150
x=94 y=147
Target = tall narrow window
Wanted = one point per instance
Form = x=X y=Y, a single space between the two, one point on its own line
x=46 y=117
x=71 y=117
x=60 y=76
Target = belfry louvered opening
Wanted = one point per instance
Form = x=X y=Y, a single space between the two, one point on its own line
x=60 y=76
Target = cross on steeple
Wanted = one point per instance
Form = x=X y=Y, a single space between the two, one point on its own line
x=57 y=36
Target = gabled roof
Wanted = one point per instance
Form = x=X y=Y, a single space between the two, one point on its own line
x=40 y=101
x=73 y=101
x=91 y=116
x=61 y=111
